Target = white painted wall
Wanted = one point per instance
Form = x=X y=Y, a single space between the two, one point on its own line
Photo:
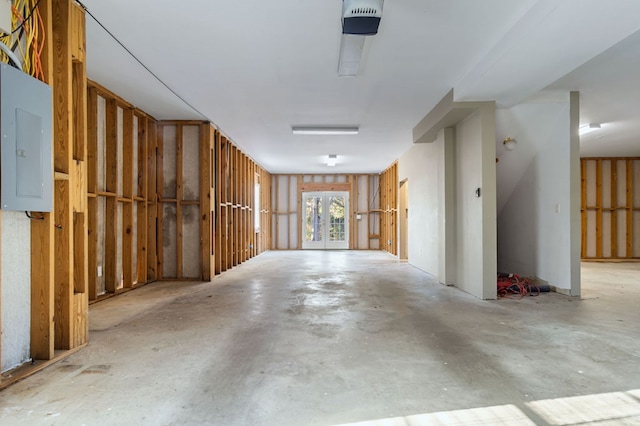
x=16 y=289
x=452 y=233
x=534 y=188
x=421 y=165
x=475 y=226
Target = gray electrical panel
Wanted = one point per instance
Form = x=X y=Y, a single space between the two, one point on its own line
x=26 y=136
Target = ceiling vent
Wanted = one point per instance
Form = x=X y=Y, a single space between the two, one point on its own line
x=361 y=17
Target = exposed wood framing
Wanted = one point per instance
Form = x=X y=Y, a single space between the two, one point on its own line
x=614 y=214
x=126 y=199
x=129 y=188
x=207 y=185
x=152 y=201
x=235 y=236
x=287 y=211
x=389 y=206
x=609 y=208
x=59 y=241
x=142 y=196
x=629 y=205
x=599 y=208
x=225 y=202
x=111 y=185
x=42 y=235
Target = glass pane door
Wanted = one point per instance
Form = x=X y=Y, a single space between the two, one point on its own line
x=313 y=222
x=326 y=220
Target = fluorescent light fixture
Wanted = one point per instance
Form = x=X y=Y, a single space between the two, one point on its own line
x=333 y=160
x=586 y=128
x=302 y=130
x=351 y=50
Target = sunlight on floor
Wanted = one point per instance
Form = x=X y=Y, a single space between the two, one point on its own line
x=601 y=409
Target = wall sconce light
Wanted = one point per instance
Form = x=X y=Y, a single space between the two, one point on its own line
x=590 y=127
x=333 y=159
x=509 y=144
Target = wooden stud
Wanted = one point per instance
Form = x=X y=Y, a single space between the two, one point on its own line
x=275 y=215
x=349 y=215
x=92 y=217
x=629 y=208
x=77 y=40
x=151 y=200
x=42 y=233
x=159 y=191
x=92 y=189
x=64 y=198
x=63 y=266
x=62 y=86
x=219 y=254
x=127 y=193
x=79 y=107
x=583 y=209
x=288 y=210
x=232 y=208
x=237 y=218
x=614 y=212
x=179 y=197
x=226 y=213
x=599 y=208
x=241 y=207
x=142 y=188
x=206 y=240
x=42 y=287
x=80 y=266
x=111 y=185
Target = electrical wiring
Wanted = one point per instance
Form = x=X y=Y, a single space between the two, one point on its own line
x=33 y=217
x=26 y=40
x=513 y=285
x=55 y=225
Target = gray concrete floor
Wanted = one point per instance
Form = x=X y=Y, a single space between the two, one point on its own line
x=322 y=338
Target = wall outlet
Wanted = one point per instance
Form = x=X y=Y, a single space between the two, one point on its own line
x=358 y=217
x=99 y=271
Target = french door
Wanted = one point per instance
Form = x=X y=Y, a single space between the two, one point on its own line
x=326 y=220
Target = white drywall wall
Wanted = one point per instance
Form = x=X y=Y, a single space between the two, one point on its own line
x=469 y=259
x=420 y=165
x=16 y=289
x=534 y=186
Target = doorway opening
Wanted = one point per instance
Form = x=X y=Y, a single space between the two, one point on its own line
x=404 y=220
x=325 y=221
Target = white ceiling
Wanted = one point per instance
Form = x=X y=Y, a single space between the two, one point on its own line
x=256 y=68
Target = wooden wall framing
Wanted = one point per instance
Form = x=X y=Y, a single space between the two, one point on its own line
x=59 y=297
x=105 y=233
x=389 y=205
x=236 y=237
x=286 y=195
x=121 y=192
x=610 y=209
x=185 y=187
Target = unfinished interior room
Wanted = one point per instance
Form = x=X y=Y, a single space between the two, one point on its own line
x=336 y=212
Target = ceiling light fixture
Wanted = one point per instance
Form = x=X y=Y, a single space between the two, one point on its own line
x=303 y=130
x=590 y=127
x=510 y=144
x=333 y=160
x=351 y=49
